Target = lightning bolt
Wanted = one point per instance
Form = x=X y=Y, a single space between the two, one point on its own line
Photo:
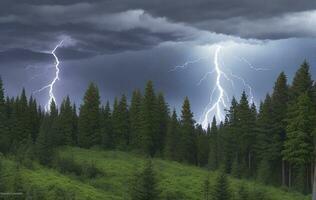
x=217 y=105
x=53 y=82
x=220 y=102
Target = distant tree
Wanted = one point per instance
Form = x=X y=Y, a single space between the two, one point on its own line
x=213 y=160
x=106 y=127
x=172 y=138
x=89 y=119
x=44 y=147
x=121 y=124
x=162 y=120
x=145 y=186
x=202 y=146
x=66 y=124
x=149 y=121
x=302 y=82
x=135 y=119
x=188 y=141
x=4 y=122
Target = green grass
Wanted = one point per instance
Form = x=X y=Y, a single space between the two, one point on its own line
x=118 y=168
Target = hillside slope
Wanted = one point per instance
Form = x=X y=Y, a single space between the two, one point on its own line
x=118 y=168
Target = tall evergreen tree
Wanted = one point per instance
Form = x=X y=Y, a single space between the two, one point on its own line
x=106 y=127
x=66 y=124
x=302 y=82
x=298 y=147
x=149 y=126
x=121 y=124
x=188 y=141
x=202 y=146
x=89 y=119
x=171 y=151
x=213 y=160
x=135 y=119
x=279 y=103
x=4 y=123
x=162 y=118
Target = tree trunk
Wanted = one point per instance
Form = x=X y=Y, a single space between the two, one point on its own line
x=314 y=182
x=283 y=173
x=290 y=176
x=249 y=160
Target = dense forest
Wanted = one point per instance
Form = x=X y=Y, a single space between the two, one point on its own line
x=272 y=144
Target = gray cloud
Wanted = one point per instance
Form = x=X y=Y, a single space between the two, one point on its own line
x=104 y=27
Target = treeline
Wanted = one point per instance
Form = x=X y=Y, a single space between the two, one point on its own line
x=273 y=143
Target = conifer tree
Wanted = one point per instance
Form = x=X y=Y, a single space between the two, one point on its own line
x=4 y=123
x=171 y=151
x=66 y=123
x=149 y=121
x=89 y=119
x=135 y=119
x=162 y=118
x=106 y=127
x=298 y=147
x=121 y=124
x=221 y=189
x=302 y=82
x=203 y=146
x=213 y=160
x=188 y=141
x=44 y=148
x=279 y=103
x=145 y=186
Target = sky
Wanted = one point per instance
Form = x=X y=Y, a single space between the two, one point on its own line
x=121 y=44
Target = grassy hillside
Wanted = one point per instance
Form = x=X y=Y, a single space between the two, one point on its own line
x=117 y=168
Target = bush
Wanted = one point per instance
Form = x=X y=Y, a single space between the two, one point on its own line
x=68 y=165
x=90 y=170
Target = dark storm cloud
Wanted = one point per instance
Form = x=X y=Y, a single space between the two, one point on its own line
x=101 y=27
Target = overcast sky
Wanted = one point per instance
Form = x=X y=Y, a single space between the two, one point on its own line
x=120 y=45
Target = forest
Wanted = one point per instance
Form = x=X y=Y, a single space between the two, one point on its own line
x=272 y=143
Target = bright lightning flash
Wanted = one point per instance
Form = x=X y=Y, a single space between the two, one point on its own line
x=220 y=101
x=53 y=82
x=217 y=106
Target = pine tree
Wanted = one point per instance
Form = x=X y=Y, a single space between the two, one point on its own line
x=202 y=146
x=106 y=127
x=66 y=123
x=171 y=151
x=163 y=118
x=89 y=119
x=44 y=148
x=279 y=103
x=120 y=124
x=135 y=119
x=145 y=186
x=188 y=141
x=221 y=188
x=4 y=123
x=302 y=82
x=213 y=160
x=149 y=121
x=298 y=147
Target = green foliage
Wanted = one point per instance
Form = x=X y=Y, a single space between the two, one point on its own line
x=144 y=186
x=89 y=118
x=221 y=190
x=188 y=137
